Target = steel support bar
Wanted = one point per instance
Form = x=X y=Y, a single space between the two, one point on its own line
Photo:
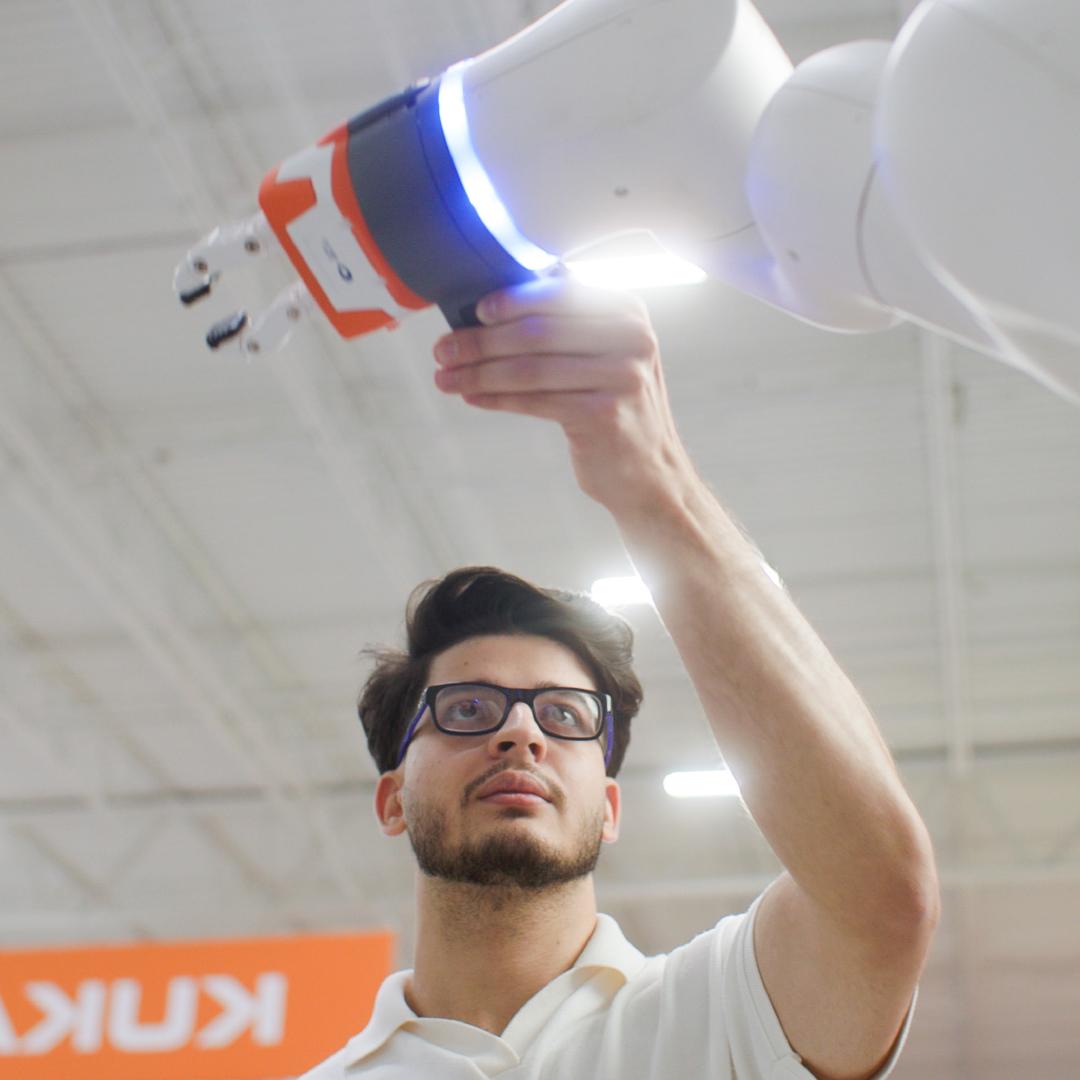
x=938 y=391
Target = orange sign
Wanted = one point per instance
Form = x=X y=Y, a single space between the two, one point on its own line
x=215 y=1010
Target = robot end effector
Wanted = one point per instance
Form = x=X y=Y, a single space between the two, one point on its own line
x=932 y=179
x=358 y=214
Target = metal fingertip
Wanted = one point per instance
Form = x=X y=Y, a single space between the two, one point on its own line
x=226 y=329
x=191 y=295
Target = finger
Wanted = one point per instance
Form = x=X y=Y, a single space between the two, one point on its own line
x=532 y=373
x=546 y=335
x=554 y=295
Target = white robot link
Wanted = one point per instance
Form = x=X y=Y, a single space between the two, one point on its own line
x=933 y=178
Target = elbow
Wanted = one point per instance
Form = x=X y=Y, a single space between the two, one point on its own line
x=928 y=911
x=926 y=907
x=914 y=894
x=913 y=908
x=904 y=905
x=923 y=893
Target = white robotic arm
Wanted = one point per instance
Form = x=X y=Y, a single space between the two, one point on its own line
x=932 y=179
x=937 y=178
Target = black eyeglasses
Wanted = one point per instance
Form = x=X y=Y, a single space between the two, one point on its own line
x=563 y=712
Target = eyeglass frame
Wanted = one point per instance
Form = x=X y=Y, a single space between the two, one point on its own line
x=513 y=696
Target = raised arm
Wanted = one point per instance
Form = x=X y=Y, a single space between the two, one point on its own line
x=842 y=936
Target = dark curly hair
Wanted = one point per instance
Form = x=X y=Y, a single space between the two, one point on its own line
x=481 y=600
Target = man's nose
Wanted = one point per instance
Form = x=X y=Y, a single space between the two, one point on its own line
x=520 y=732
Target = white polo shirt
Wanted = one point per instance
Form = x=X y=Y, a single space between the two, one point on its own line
x=700 y=1011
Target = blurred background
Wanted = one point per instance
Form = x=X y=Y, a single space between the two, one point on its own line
x=195 y=547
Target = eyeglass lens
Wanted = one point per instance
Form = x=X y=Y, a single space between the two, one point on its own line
x=570 y=714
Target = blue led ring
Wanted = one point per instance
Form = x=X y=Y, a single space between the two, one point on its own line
x=474 y=179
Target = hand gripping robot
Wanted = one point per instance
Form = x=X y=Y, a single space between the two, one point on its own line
x=935 y=178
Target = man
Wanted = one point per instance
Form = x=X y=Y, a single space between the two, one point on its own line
x=506 y=794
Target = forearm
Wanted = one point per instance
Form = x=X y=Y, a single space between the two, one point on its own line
x=812 y=767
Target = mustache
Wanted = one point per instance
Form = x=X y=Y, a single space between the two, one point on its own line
x=558 y=796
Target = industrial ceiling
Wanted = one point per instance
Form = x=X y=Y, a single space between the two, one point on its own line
x=195 y=547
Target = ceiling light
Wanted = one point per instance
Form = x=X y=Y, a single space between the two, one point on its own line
x=713 y=783
x=612 y=592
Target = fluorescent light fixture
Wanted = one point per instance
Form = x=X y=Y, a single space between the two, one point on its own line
x=636 y=271
x=715 y=783
x=474 y=178
x=612 y=592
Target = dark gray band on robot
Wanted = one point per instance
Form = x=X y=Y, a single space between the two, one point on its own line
x=416 y=209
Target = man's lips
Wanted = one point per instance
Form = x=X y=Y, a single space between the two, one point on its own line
x=510 y=784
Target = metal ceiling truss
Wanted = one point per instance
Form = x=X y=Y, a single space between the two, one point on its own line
x=939 y=406
x=48 y=499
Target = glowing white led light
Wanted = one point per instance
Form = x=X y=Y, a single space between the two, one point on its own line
x=715 y=783
x=616 y=591
x=475 y=180
x=636 y=271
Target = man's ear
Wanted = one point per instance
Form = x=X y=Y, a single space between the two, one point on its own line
x=612 y=811
x=388 y=807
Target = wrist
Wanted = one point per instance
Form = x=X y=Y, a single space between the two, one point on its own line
x=631 y=484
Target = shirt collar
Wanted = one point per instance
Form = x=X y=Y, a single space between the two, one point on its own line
x=607 y=947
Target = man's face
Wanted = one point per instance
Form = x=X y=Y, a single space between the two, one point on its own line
x=446 y=793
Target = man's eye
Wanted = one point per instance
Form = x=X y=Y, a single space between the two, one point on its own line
x=469 y=713
x=564 y=716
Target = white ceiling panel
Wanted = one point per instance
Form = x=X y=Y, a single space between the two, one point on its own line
x=46 y=83
x=87 y=187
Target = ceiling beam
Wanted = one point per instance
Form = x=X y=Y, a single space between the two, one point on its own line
x=90 y=794
x=147 y=108
x=960 y=876
x=91 y=886
x=940 y=404
x=86 y=780
x=46 y=498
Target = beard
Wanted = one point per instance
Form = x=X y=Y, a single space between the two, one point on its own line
x=503 y=858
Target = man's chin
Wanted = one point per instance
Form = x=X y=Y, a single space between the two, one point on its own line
x=502 y=849
x=504 y=859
